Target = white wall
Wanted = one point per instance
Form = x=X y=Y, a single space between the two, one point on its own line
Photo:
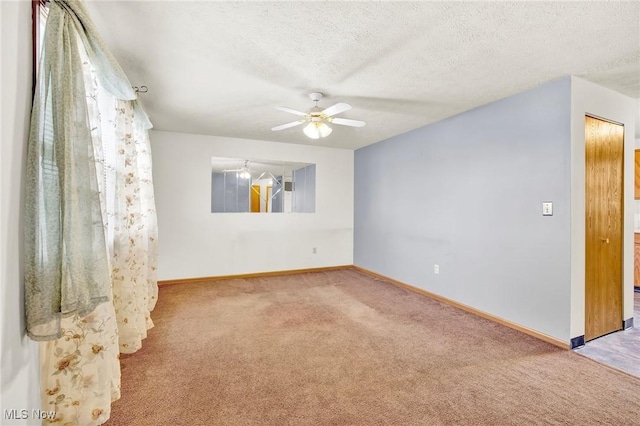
x=197 y=243
x=19 y=380
x=589 y=98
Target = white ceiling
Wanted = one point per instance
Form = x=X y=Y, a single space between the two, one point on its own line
x=221 y=68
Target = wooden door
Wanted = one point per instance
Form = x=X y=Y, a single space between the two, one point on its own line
x=268 y=200
x=255 y=198
x=636 y=260
x=604 y=201
x=636 y=171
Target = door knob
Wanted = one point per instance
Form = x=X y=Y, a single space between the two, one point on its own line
x=605 y=240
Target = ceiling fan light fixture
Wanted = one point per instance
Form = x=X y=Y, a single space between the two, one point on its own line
x=324 y=130
x=317 y=130
x=311 y=130
x=244 y=172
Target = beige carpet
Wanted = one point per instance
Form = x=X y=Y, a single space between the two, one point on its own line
x=342 y=348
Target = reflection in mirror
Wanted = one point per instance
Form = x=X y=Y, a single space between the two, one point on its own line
x=262 y=186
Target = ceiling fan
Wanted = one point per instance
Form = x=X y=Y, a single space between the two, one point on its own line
x=317 y=118
x=243 y=172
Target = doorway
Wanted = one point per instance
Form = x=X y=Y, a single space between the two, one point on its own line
x=255 y=198
x=604 y=201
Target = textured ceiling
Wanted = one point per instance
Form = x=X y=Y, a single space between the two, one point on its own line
x=221 y=68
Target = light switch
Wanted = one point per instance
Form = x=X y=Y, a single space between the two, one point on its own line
x=547 y=208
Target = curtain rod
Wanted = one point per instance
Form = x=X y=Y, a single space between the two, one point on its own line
x=36 y=4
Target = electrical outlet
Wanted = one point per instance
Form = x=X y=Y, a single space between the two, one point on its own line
x=436 y=269
x=314 y=251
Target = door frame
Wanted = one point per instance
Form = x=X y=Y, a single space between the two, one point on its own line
x=586 y=98
x=623 y=201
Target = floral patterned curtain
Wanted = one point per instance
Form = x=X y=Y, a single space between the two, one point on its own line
x=80 y=371
x=133 y=227
x=83 y=326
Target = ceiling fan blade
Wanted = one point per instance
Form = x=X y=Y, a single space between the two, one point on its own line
x=348 y=122
x=286 y=126
x=292 y=111
x=336 y=109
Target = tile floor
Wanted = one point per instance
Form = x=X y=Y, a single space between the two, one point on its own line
x=620 y=350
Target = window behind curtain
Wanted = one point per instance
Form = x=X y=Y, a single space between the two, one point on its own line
x=40 y=11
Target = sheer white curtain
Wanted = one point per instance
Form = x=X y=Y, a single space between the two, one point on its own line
x=132 y=227
x=90 y=237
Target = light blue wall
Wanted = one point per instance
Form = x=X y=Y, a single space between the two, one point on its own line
x=217 y=192
x=230 y=193
x=304 y=189
x=277 y=199
x=466 y=193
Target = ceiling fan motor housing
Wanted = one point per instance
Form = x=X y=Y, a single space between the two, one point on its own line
x=315 y=96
